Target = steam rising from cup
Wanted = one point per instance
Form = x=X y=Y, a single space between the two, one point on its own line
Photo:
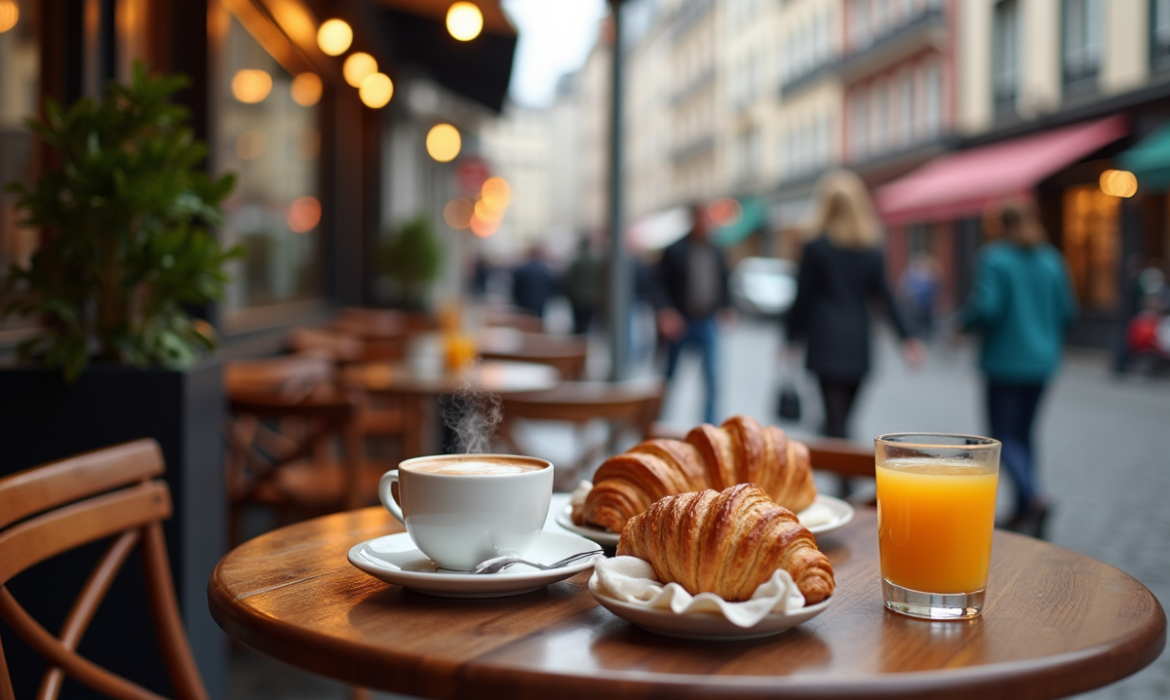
x=472 y=416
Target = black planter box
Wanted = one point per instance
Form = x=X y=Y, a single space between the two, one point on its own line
x=43 y=419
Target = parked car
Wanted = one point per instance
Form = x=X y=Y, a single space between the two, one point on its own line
x=763 y=286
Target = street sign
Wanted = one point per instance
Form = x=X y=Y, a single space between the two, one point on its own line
x=471 y=173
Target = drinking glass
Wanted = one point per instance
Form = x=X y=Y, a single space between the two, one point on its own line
x=936 y=514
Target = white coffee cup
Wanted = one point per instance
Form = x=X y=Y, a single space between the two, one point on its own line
x=462 y=509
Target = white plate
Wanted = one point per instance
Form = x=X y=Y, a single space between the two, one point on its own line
x=839 y=513
x=703 y=625
x=395 y=559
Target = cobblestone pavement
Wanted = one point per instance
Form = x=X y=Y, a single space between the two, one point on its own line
x=1104 y=453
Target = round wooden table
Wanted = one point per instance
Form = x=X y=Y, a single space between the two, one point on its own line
x=1056 y=623
x=417 y=390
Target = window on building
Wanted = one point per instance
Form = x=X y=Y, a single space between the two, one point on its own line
x=906 y=107
x=905 y=11
x=932 y=100
x=1160 y=34
x=879 y=119
x=19 y=91
x=859 y=129
x=271 y=142
x=1005 y=55
x=1081 y=44
x=880 y=19
x=860 y=33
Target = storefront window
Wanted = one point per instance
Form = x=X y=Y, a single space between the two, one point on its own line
x=1091 y=245
x=19 y=88
x=268 y=135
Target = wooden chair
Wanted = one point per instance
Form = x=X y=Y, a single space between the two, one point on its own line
x=335 y=345
x=58 y=507
x=289 y=375
x=624 y=407
x=511 y=317
x=568 y=354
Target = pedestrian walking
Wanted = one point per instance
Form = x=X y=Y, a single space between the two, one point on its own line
x=582 y=283
x=533 y=283
x=920 y=286
x=690 y=295
x=1021 y=303
x=842 y=269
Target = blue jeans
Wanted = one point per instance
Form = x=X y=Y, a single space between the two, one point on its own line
x=701 y=333
x=1011 y=413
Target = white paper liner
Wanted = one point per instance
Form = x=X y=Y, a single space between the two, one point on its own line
x=632 y=580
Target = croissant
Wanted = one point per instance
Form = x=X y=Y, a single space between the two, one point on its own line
x=741 y=451
x=728 y=543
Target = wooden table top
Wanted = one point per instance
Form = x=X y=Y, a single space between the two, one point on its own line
x=495 y=376
x=1055 y=623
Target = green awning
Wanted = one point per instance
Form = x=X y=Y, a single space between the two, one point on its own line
x=754 y=214
x=1149 y=160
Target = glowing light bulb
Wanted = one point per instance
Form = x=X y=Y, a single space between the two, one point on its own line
x=306 y=89
x=458 y=213
x=334 y=37
x=444 y=142
x=251 y=85
x=497 y=191
x=304 y=214
x=1118 y=183
x=464 y=21
x=358 y=67
x=376 y=90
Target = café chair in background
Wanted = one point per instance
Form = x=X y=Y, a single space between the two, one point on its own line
x=337 y=346
x=626 y=409
x=568 y=354
x=63 y=505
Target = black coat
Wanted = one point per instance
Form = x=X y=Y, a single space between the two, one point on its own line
x=831 y=311
x=669 y=286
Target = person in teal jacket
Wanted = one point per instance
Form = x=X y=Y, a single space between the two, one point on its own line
x=1021 y=303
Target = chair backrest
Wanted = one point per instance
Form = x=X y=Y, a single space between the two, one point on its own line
x=625 y=406
x=268 y=431
x=57 y=507
x=568 y=354
x=337 y=346
x=372 y=323
x=290 y=375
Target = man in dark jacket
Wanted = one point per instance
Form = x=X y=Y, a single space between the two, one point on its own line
x=533 y=283
x=690 y=292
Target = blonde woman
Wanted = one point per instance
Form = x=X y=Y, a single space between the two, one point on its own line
x=1021 y=303
x=842 y=269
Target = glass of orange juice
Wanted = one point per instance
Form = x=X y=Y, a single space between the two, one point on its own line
x=936 y=513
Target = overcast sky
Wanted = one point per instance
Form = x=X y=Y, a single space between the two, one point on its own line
x=555 y=38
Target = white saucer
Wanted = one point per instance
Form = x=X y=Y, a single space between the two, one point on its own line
x=395 y=559
x=839 y=513
x=703 y=625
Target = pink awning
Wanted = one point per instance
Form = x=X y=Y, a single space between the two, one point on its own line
x=962 y=184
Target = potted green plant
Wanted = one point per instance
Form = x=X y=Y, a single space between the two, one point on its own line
x=411 y=260
x=126 y=255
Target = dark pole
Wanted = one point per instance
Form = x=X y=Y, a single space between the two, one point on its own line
x=619 y=269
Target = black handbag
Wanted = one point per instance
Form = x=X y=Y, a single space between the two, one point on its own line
x=788 y=402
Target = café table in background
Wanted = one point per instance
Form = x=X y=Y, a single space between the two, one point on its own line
x=419 y=389
x=1056 y=623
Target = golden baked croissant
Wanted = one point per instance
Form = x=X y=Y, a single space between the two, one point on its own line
x=741 y=451
x=728 y=543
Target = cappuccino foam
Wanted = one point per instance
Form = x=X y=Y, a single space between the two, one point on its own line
x=475 y=467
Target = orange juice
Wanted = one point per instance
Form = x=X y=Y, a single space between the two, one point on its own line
x=934 y=524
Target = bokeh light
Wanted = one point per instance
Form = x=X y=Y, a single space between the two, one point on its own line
x=334 y=37
x=251 y=85
x=251 y=144
x=9 y=15
x=304 y=214
x=358 y=67
x=464 y=21
x=458 y=213
x=444 y=142
x=482 y=228
x=1118 y=183
x=306 y=89
x=376 y=90
x=486 y=210
x=497 y=191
